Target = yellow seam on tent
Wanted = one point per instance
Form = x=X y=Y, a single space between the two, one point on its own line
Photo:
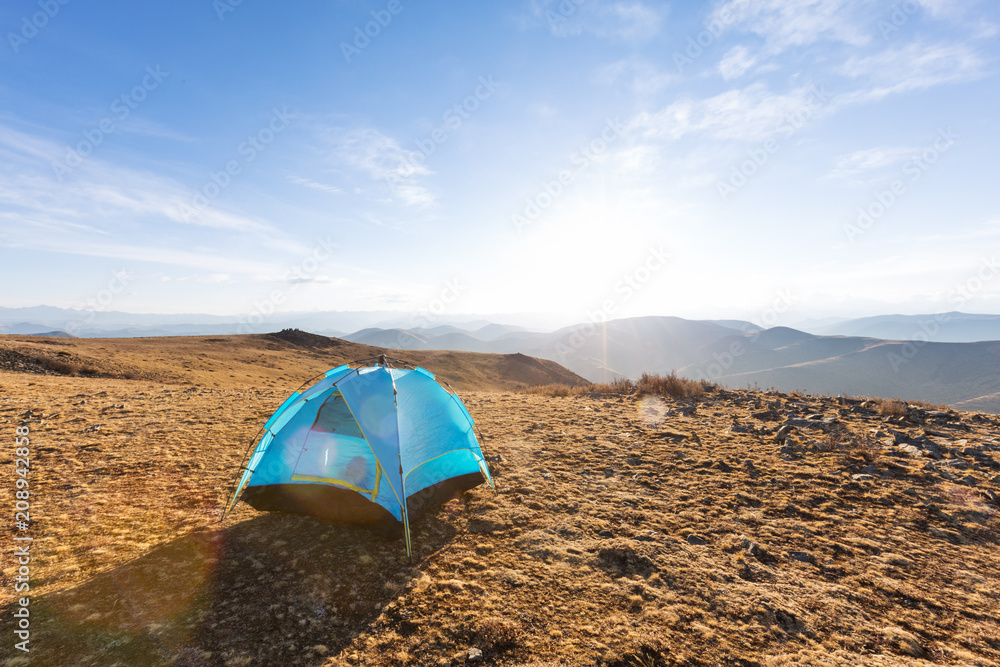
x=460 y=449
x=486 y=474
x=378 y=478
x=374 y=455
x=329 y=480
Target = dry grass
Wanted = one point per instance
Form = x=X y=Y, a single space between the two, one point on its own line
x=891 y=407
x=624 y=533
x=648 y=384
x=895 y=407
x=671 y=385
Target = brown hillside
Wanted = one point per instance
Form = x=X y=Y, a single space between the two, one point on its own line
x=738 y=528
x=282 y=360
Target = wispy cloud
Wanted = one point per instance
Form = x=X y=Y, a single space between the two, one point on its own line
x=736 y=62
x=787 y=23
x=641 y=76
x=848 y=168
x=752 y=113
x=380 y=157
x=625 y=21
x=914 y=66
x=308 y=183
x=105 y=209
x=203 y=260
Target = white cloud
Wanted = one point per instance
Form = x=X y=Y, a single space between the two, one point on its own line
x=627 y=21
x=308 y=183
x=217 y=278
x=849 y=167
x=641 y=76
x=103 y=209
x=787 y=23
x=751 y=114
x=913 y=67
x=381 y=157
x=736 y=62
x=206 y=261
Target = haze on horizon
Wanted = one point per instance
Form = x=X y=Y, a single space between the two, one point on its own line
x=580 y=157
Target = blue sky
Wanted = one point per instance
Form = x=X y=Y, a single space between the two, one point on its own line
x=588 y=158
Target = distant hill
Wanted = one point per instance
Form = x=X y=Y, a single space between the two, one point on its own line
x=28 y=329
x=738 y=355
x=951 y=373
x=282 y=359
x=951 y=327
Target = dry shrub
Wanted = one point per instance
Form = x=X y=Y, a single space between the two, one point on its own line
x=554 y=390
x=891 y=407
x=498 y=634
x=865 y=447
x=646 y=651
x=56 y=365
x=617 y=386
x=658 y=385
x=671 y=385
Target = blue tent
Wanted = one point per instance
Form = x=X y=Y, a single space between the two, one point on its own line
x=373 y=445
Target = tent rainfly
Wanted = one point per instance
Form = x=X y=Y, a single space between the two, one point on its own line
x=373 y=445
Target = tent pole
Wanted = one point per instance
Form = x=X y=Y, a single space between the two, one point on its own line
x=406 y=514
x=399 y=457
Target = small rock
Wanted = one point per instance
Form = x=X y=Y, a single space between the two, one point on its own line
x=475 y=655
x=722 y=466
x=782 y=433
x=802 y=556
x=757 y=551
x=605 y=533
x=968 y=480
x=821 y=445
x=696 y=540
x=862 y=477
x=609 y=472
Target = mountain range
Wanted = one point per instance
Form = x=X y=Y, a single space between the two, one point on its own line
x=933 y=358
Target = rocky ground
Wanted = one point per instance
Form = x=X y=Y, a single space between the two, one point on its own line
x=739 y=528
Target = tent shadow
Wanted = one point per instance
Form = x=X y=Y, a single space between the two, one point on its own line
x=274 y=589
